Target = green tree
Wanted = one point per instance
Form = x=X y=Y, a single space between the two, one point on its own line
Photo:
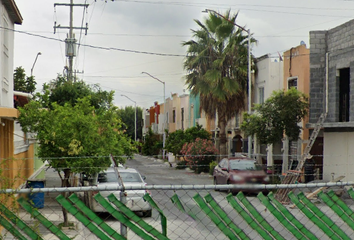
x=61 y=91
x=152 y=144
x=280 y=114
x=75 y=139
x=22 y=82
x=217 y=64
x=176 y=140
x=127 y=115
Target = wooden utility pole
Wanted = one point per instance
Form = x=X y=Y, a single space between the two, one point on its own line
x=70 y=41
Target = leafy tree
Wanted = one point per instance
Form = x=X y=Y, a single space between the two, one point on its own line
x=127 y=115
x=62 y=91
x=152 y=144
x=177 y=139
x=22 y=82
x=278 y=115
x=75 y=139
x=217 y=65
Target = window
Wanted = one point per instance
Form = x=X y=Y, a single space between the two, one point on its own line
x=261 y=95
x=344 y=94
x=174 y=116
x=292 y=82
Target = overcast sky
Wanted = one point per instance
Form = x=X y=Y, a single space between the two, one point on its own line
x=131 y=27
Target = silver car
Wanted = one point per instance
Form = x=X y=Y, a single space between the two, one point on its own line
x=130 y=177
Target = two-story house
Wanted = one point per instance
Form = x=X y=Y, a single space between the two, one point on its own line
x=332 y=91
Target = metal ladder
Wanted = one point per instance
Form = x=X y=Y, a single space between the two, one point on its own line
x=293 y=175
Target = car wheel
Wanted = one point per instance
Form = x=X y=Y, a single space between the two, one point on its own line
x=216 y=183
x=147 y=213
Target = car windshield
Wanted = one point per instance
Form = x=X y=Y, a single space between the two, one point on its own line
x=244 y=165
x=126 y=177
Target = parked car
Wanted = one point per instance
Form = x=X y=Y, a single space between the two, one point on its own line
x=239 y=170
x=130 y=177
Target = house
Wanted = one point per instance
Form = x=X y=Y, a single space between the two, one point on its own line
x=332 y=92
x=296 y=75
x=268 y=78
x=16 y=151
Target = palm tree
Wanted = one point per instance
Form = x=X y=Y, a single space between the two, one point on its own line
x=217 y=64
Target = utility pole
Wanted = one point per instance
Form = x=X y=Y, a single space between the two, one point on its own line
x=70 y=41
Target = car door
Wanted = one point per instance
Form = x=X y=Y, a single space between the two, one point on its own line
x=224 y=173
x=218 y=171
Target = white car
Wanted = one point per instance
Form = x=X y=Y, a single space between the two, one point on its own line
x=130 y=177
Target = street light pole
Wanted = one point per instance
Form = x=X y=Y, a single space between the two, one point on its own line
x=35 y=60
x=164 y=113
x=134 y=115
x=249 y=70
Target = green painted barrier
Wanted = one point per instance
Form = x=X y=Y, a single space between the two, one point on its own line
x=130 y=214
x=19 y=223
x=9 y=227
x=317 y=221
x=48 y=224
x=175 y=200
x=120 y=217
x=266 y=202
x=93 y=217
x=323 y=216
x=152 y=203
x=87 y=223
x=250 y=221
x=291 y=218
x=339 y=211
x=218 y=210
x=258 y=217
x=213 y=217
x=341 y=204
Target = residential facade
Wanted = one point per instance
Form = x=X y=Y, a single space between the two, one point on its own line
x=332 y=92
x=296 y=75
x=268 y=78
x=16 y=152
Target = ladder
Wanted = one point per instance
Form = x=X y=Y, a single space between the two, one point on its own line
x=292 y=176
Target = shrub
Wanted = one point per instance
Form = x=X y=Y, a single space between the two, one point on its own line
x=212 y=165
x=199 y=154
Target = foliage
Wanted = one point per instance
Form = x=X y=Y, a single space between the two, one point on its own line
x=212 y=165
x=127 y=116
x=23 y=83
x=152 y=144
x=177 y=139
x=61 y=91
x=217 y=65
x=199 y=154
x=74 y=139
x=278 y=115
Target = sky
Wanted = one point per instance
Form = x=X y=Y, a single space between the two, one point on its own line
x=128 y=37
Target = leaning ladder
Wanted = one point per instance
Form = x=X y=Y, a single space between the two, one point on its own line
x=292 y=176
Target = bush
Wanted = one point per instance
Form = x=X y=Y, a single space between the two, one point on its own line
x=199 y=154
x=212 y=165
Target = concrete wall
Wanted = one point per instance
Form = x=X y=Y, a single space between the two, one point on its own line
x=339 y=155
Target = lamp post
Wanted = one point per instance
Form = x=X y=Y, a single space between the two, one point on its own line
x=35 y=60
x=249 y=69
x=164 y=113
x=134 y=115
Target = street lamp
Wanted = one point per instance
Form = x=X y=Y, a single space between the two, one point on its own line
x=249 y=69
x=164 y=113
x=35 y=60
x=134 y=115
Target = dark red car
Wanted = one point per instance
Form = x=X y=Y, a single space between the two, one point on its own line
x=239 y=170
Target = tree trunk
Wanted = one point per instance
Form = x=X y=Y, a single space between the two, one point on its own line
x=222 y=135
x=65 y=183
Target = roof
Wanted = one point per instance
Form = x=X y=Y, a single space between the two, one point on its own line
x=13 y=11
